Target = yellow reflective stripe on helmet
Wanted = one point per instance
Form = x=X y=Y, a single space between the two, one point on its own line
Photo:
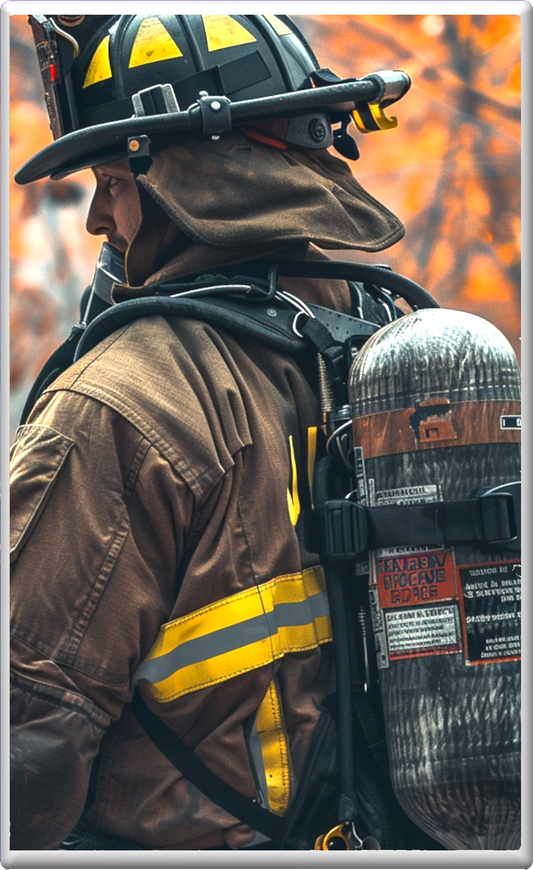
x=152 y=43
x=100 y=66
x=238 y=634
x=279 y=26
x=222 y=31
x=274 y=753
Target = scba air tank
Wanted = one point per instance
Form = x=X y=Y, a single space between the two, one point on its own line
x=435 y=404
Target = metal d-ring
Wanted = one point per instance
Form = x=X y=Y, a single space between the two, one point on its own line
x=295 y=321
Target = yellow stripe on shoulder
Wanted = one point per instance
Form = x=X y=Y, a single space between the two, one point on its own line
x=237 y=634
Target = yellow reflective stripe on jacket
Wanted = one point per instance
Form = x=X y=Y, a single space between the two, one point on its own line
x=274 y=753
x=312 y=434
x=293 y=497
x=238 y=634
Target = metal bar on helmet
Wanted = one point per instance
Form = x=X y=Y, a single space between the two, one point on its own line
x=61 y=106
x=341 y=98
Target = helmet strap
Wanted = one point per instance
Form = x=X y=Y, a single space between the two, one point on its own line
x=139 y=155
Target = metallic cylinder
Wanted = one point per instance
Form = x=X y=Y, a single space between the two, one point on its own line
x=435 y=402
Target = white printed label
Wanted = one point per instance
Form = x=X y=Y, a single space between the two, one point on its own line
x=408 y=495
x=378 y=625
x=423 y=630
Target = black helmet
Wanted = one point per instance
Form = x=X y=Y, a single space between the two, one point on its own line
x=107 y=78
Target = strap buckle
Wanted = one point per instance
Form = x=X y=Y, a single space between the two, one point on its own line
x=139 y=154
x=497 y=515
x=156 y=100
x=341 y=527
x=336 y=840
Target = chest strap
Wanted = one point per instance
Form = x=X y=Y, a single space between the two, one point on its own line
x=347 y=529
x=242 y=808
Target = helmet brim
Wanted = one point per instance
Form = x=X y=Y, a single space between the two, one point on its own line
x=91 y=146
x=83 y=148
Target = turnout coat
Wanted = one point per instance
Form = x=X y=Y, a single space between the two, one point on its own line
x=156 y=497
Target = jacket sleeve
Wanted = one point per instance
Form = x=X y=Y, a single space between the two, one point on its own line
x=98 y=524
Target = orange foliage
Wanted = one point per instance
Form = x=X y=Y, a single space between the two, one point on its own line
x=514 y=79
x=451 y=171
x=52 y=256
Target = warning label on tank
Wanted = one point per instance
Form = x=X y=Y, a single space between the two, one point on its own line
x=423 y=631
x=378 y=625
x=408 y=495
x=490 y=600
x=415 y=577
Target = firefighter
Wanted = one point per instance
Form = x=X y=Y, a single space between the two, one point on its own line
x=158 y=482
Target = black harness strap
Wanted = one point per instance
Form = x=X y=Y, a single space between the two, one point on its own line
x=228 y=78
x=327 y=478
x=189 y=765
x=272 y=325
x=347 y=529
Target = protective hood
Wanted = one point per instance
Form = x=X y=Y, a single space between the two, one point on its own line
x=235 y=194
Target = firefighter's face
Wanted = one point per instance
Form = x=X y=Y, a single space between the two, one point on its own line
x=115 y=211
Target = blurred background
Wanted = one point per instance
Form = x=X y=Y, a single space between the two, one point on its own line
x=450 y=171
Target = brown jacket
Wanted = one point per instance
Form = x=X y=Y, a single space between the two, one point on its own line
x=156 y=492
x=150 y=487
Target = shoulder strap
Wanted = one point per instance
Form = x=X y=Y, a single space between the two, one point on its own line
x=232 y=314
x=268 y=323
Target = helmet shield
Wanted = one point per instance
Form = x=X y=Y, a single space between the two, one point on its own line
x=92 y=66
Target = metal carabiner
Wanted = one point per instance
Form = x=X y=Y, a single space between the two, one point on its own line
x=336 y=840
x=345 y=838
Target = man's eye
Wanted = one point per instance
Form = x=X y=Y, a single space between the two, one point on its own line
x=110 y=180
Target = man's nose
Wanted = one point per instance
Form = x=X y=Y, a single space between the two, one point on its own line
x=99 y=219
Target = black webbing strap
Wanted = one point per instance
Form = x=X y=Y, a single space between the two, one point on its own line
x=372 y=734
x=488 y=518
x=228 y=79
x=345 y=529
x=318 y=336
x=327 y=477
x=189 y=765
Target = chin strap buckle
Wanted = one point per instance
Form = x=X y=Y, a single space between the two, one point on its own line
x=139 y=154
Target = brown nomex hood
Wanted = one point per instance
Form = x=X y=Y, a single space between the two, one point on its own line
x=235 y=194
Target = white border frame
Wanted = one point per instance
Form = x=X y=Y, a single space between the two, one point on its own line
x=236 y=859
